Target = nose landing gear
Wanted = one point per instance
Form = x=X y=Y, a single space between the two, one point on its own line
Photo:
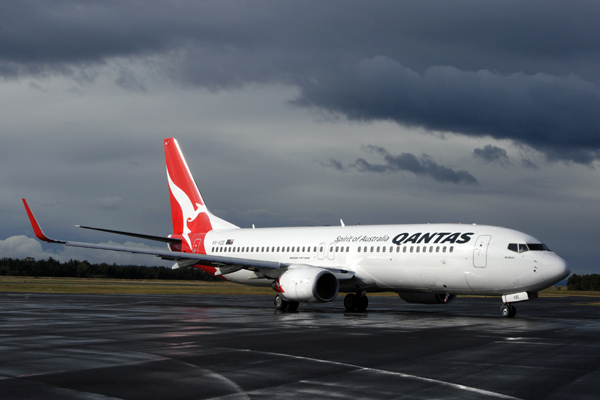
x=508 y=310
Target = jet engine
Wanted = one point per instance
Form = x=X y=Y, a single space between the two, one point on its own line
x=427 y=298
x=308 y=284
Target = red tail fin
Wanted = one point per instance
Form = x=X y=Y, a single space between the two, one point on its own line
x=188 y=210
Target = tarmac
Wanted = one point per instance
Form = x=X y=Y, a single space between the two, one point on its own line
x=74 y=346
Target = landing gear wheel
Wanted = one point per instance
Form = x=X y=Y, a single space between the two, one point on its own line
x=280 y=303
x=285 y=305
x=508 y=311
x=356 y=302
x=363 y=303
x=513 y=311
x=350 y=302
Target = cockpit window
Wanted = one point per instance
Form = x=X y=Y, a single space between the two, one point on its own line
x=537 y=247
x=522 y=247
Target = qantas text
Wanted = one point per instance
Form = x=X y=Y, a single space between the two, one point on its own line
x=436 y=237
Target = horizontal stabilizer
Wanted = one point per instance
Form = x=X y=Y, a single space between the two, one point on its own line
x=137 y=235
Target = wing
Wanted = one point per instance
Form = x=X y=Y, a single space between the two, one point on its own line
x=182 y=259
x=224 y=265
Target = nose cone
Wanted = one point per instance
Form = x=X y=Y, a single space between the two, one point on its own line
x=554 y=268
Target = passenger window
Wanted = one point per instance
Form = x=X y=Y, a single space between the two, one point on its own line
x=383 y=249
x=358 y=249
x=444 y=249
x=431 y=249
x=523 y=248
x=404 y=249
x=378 y=249
x=337 y=249
x=372 y=249
x=437 y=249
x=451 y=249
x=347 y=249
x=411 y=249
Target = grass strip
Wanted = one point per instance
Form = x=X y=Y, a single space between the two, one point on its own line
x=125 y=286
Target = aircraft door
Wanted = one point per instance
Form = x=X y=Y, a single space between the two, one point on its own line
x=321 y=251
x=197 y=245
x=480 y=251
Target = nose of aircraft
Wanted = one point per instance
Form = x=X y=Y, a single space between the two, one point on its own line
x=554 y=268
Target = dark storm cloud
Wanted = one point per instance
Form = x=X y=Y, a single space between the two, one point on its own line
x=492 y=154
x=423 y=166
x=555 y=115
x=523 y=71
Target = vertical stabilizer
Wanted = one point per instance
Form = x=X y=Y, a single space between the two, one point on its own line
x=188 y=210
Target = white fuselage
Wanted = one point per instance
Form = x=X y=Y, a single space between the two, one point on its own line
x=434 y=258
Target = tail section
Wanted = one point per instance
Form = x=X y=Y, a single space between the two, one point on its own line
x=188 y=210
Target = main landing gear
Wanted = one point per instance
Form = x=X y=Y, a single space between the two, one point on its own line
x=508 y=310
x=285 y=305
x=356 y=302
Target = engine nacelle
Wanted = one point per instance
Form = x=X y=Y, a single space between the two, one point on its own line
x=427 y=298
x=308 y=284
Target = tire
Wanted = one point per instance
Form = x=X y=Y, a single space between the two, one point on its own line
x=505 y=310
x=512 y=311
x=351 y=302
x=292 y=306
x=363 y=303
x=280 y=303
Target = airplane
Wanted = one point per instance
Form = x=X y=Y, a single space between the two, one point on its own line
x=422 y=263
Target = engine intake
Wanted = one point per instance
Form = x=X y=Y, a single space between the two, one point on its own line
x=427 y=298
x=308 y=284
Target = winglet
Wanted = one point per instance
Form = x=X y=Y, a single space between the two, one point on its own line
x=36 y=226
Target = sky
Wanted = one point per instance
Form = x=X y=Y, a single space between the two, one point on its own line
x=300 y=113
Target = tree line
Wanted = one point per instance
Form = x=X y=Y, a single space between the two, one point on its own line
x=83 y=269
x=584 y=282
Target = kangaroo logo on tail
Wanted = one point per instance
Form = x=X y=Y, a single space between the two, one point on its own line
x=188 y=210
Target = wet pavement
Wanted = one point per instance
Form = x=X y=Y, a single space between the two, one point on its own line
x=59 y=346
